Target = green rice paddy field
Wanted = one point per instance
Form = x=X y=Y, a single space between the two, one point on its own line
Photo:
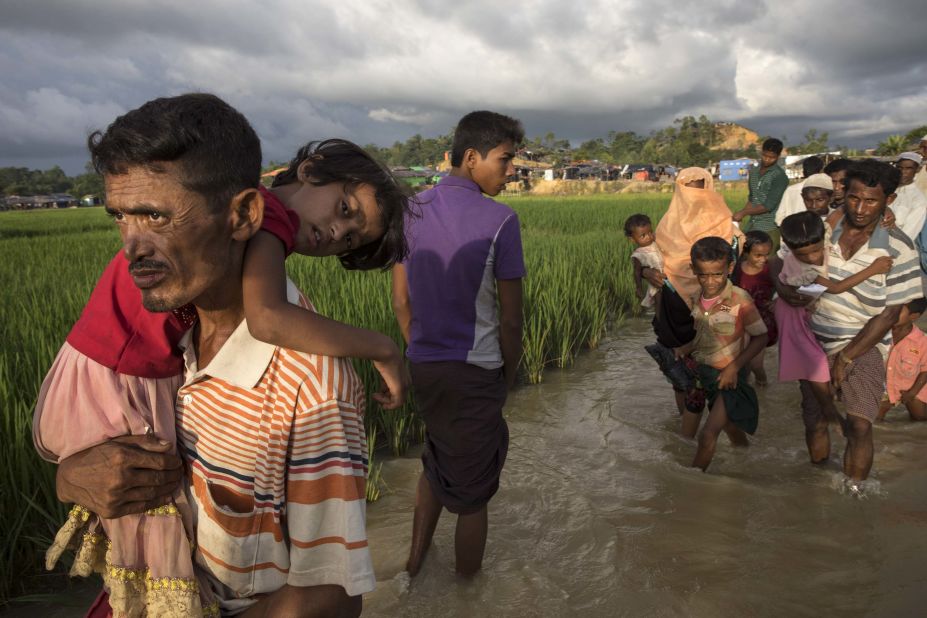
x=579 y=281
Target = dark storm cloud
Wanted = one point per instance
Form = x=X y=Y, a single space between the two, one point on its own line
x=378 y=70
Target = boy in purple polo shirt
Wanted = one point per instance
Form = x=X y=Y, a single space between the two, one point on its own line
x=464 y=256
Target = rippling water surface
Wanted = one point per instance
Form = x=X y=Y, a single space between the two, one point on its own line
x=599 y=514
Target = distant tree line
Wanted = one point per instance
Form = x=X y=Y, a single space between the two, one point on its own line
x=23 y=181
x=688 y=141
x=416 y=150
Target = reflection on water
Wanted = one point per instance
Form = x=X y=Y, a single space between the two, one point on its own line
x=599 y=515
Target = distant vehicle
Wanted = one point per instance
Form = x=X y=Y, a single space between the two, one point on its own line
x=639 y=171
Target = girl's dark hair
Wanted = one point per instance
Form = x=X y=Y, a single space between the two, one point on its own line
x=635 y=221
x=752 y=239
x=341 y=161
x=802 y=229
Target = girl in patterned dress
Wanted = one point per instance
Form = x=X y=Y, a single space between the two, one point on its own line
x=751 y=273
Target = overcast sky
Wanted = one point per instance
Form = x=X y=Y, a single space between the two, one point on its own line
x=382 y=70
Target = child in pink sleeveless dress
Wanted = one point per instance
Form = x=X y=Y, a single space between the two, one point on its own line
x=119 y=371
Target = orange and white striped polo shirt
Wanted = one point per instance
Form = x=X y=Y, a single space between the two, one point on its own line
x=276 y=452
x=721 y=331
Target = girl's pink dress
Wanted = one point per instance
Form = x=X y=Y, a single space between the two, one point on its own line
x=118 y=375
x=800 y=355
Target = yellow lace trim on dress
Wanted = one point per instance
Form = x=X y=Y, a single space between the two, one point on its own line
x=133 y=593
x=90 y=556
x=79 y=513
x=165 y=509
x=65 y=538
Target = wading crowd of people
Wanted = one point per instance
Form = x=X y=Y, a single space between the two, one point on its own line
x=829 y=269
x=209 y=430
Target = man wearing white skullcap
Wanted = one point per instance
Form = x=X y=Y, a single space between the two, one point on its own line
x=791 y=199
x=816 y=193
x=910 y=205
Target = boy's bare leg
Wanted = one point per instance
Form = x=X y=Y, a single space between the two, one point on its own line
x=708 y=437
x=690 y=423
x=680 y=401
x=736 y=435
x=759 y=371
x=917 y=410
x=427 y=512
x=470 y=541
x=857 y=458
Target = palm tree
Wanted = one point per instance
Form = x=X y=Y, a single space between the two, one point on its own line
x=892 y=145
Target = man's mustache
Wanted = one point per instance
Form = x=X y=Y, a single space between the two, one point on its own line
x=146 y=265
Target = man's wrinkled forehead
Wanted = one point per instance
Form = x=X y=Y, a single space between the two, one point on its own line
x=144 y=189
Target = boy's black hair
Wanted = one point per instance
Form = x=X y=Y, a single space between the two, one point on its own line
x=802 y=229
x=709 y=249
x=483 y=131
x=837 y=165
x=341 y=161
x=811 y=165
x=772 y=145
x=874 y=173
x=754 y=238
x=216 y=152
x=918 y=305
x=635 y=221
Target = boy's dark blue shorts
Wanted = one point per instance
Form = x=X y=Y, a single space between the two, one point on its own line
x=466 y=437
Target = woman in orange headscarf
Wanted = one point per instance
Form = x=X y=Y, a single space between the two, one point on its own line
x=695 y=212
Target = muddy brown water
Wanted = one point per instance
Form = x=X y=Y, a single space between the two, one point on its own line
x=600 y=515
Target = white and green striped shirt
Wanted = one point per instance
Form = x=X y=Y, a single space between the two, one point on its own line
x=839 y=317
